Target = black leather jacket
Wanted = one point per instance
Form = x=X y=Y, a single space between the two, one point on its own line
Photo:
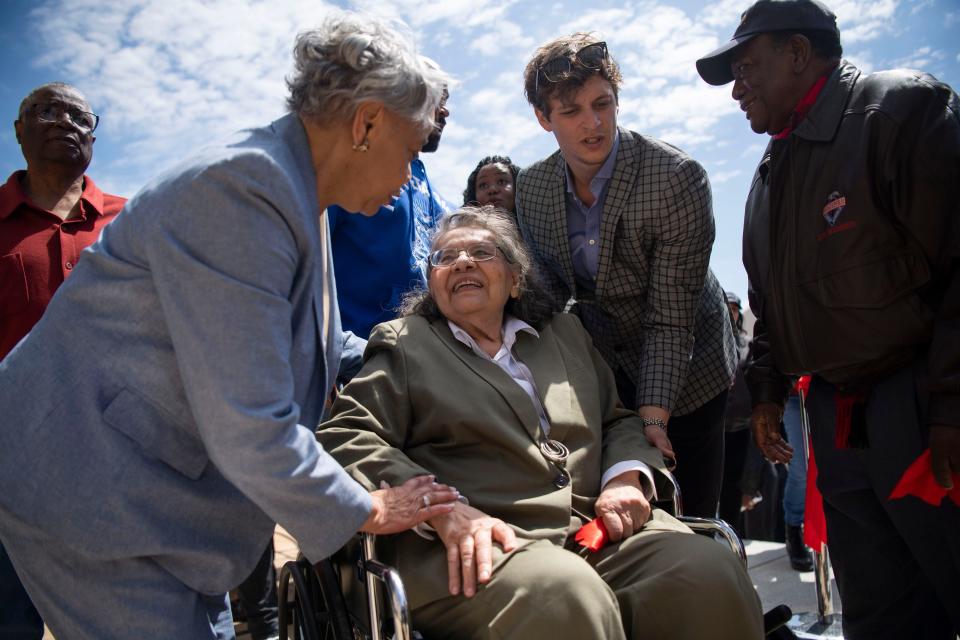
x=852 y=239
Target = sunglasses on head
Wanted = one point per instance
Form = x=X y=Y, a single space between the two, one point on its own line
x=590 y=56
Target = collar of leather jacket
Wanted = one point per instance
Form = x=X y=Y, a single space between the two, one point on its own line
x=823 y=119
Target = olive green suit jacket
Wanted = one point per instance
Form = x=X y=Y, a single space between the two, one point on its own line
x=425 y=403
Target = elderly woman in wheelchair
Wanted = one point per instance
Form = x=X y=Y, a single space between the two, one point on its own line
x=481 y=385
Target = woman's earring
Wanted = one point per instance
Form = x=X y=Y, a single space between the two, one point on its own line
x=363 y=147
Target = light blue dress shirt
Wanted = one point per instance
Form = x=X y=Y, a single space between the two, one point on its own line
x=583 y=222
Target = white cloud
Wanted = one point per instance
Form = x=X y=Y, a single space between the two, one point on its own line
x=678 y=137
x=754 y=150
x=488 y=44
x=651 y=41
x=605 y=21
x=506 y=35
x=491 y=101
x=725 y=13
x=683 y=114
x=465 y=16
x=167 y=76
x=864 y=20
x=467 y=13
x=920 y=59
x=863 y=60
x=720 y=177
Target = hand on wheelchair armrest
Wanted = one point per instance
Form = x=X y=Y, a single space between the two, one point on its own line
x=622 y=506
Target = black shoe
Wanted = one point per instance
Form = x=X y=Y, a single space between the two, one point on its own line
x=800 y=556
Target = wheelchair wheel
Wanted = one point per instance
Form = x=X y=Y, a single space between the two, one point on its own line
x=315 y=610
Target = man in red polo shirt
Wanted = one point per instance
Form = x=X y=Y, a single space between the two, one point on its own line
x=48 y=214
x=51 y=211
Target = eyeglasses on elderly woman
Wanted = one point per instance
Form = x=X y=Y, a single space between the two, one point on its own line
x=478 y=252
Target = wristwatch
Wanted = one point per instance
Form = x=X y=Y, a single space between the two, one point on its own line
x=651 y=422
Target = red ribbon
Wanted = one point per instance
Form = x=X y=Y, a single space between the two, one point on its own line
x=592 y=535
x=814 y=519
x=844 y=425
x=918 y=481
x=802 y=385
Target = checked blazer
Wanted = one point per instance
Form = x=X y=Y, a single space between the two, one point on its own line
x=658 y=312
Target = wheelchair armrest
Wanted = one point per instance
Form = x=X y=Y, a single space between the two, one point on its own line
x=670 y=500
x=397 y=594
x=717 y=528
x=711 y=526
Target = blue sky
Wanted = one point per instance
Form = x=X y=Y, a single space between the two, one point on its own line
x=168 y=75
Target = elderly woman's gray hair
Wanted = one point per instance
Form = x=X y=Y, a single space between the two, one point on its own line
x=352 y=58
x=533 y=304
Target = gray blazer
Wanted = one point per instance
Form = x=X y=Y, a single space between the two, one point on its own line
x=658 y=312
x=164 y=406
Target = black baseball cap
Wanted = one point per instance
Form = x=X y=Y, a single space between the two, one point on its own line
x=765 y=16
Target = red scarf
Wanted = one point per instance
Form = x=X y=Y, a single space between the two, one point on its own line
x=803 y=107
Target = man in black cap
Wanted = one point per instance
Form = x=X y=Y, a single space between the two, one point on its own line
x=852 y=245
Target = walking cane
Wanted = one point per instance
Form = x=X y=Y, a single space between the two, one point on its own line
x=821 y=557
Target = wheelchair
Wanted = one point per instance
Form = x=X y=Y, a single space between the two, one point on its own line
x=353 y=596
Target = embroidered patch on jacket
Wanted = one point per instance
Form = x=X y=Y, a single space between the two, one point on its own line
x=846 y=226
x=836 y=203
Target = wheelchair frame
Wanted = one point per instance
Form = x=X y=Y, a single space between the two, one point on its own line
x=319 y=611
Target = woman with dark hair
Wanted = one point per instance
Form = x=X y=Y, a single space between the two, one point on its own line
x=481 y=386
x=492 y=181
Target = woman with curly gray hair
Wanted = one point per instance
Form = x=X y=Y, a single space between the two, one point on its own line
x=187 y=360
x=367 y=101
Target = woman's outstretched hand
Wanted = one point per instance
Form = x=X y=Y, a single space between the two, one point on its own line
x=416 y=500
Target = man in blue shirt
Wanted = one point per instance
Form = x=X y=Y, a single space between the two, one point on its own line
x=380 y=258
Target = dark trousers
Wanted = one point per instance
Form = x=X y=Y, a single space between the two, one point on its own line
x=735 y=446
x=697 y=439
x=897 y=562
x=746 y=471
x=258 y=597
x=19 y=619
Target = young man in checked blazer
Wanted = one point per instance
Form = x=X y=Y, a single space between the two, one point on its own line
x=622 y=227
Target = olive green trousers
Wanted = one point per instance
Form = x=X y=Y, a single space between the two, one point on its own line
x=662 y=583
